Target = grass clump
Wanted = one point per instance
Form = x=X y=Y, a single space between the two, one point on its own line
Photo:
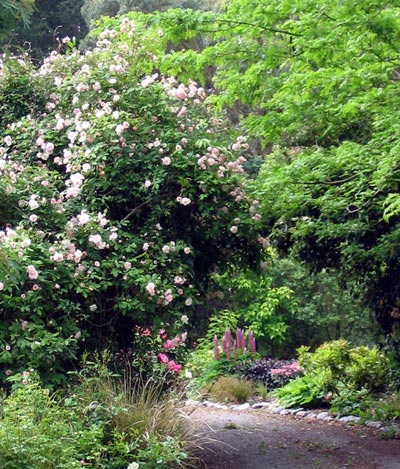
x=228 y=389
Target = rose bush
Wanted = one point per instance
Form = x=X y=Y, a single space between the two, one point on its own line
x=120 y=195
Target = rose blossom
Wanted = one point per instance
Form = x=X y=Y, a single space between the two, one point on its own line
x=151 y=288
x=32 y=272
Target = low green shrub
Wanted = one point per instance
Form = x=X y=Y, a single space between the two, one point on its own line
x=305 y=391
x=230 y=388
x=38 y=430
x=337 y=373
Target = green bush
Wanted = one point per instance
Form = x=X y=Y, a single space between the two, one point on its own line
x=38 y=430
x=336 y=371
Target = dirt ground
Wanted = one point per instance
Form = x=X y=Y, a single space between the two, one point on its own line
x=256 y=439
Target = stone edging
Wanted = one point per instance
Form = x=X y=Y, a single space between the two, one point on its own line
x=275 y=408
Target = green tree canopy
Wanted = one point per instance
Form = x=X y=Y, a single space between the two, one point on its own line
x=321 y=80
x=12 y=10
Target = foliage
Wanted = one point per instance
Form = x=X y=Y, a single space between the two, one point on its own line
x=230 y=388
x=141 y=421
x=338 y=372
x=11 y=10
x=38 y=430
x=51 y=22
x=322 y=308
x=105 y=421
x=305 y=391
x=153 y=356
x=320 y=79
x=257 y=303
x=117 y=204
x=22 y=92
x=269 y=372
x=341 y=365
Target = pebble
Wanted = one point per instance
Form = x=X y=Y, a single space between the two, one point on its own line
x=374 y=424
x=348 y=419
x=244 y=406
x=260 y=405
x=323 y=415
x=192 y=403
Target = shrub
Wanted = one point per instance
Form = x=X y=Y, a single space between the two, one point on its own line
x=118 y=200
x=39 y=430
x=232 y=388
x=336 y=371
x=305 y=391
x=342 y=366
x=272 y=373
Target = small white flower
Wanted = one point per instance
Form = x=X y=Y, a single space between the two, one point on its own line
x=133 y=465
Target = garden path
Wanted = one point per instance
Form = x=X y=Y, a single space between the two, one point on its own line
x=257 y=439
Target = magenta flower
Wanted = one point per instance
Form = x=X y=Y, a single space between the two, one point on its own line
x=163 y=358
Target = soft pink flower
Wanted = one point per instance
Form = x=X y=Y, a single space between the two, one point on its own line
x=163 y=358
x=32 y=272
x=151 y=288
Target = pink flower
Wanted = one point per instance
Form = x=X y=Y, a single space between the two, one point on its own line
x=146 y=333
x=180 y=93
x=168 y=344
x=182 y=112
x=186 y=250
x=163 y=358
x=33 y=218
x=234 y=229
x=151 y=288
x=32 y=272
x=174 y=366
x=166 y=160
x=168 y=296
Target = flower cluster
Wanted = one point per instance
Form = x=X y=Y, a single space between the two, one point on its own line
x=287 y=370
x=153 y=351
x=237 y=346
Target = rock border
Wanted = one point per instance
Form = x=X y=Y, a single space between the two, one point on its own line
x=275 y=408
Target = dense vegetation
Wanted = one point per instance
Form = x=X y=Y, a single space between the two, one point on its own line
x=182 y=175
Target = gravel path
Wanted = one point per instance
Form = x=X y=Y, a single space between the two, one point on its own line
x=257 y=439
